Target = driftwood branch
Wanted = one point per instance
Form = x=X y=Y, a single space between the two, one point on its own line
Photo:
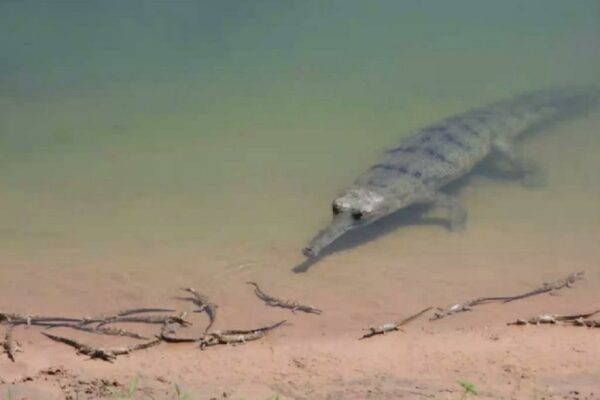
x=545 y=288
x=551 y=286
x=572 y=319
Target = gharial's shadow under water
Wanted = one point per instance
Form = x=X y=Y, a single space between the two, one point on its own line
x=410 y=216
x=413 y=215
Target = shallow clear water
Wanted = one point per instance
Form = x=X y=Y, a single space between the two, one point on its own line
x=149 y=145
x=140 y=132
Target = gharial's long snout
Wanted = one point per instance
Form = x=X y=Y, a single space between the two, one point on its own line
x=341 y=224
x=358 y=206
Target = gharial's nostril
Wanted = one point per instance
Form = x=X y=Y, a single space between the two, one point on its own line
x=357 y=215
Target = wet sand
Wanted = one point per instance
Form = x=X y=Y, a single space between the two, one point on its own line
x=516 y=239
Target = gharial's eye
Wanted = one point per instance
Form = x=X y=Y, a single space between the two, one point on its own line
x=336 y=209
x=357 y=214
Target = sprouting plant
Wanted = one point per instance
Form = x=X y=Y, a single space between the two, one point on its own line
x=133 y=386
x=180 y=394
x=469 y=388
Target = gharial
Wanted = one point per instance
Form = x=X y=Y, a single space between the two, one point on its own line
x=416 y=171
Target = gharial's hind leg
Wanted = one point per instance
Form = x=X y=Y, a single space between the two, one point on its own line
x=530 y=173
x=457 y=215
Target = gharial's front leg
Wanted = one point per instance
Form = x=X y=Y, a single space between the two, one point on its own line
x=457 y=215
x=530 y=173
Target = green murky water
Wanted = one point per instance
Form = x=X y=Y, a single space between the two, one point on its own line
x=149 y=127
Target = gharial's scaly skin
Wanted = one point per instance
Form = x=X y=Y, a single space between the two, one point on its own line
x=416 y=170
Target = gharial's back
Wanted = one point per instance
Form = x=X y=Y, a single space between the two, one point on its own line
x=447 y=150
x=426 y=161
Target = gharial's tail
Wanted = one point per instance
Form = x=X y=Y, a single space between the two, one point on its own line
x=544 y=106
x=562 y=100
